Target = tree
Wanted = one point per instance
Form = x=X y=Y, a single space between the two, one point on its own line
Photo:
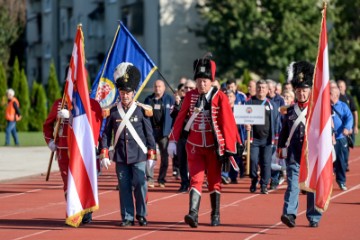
x=24 y=100
x=262 y=36
x=246 y=78
x=12 y=22
x=3 y=99
x=16 y=76
x=344 y=45
x=53 y=89
x=38 y=111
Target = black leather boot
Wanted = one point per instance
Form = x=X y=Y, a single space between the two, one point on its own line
x=215 y=208
x=192 y=218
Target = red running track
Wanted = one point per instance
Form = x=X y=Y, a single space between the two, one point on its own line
x=31 y=208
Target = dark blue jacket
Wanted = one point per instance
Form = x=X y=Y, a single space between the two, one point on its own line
x=274 y=119
x=168 y=102
x=126 y=149
x=295 y=147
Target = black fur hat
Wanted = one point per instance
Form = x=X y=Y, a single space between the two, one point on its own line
x=204 y=68
x=300 y=74
x=127 y=77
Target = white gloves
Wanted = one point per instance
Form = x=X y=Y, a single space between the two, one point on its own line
x=52 y=145
x=171 y=149
x=105 y=162
x=63 y=113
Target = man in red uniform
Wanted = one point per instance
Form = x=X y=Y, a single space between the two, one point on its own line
x=60 y=144
x=211 y=138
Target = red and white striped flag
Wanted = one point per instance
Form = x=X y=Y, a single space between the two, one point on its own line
x=316 y=167
x=82 y=193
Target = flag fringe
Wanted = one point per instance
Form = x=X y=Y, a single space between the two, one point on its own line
x=76 y=219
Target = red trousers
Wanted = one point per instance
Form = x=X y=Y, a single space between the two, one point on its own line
x=63 y=161
x=201 y=159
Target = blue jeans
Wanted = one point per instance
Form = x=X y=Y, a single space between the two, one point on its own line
x=340 y=165
x=260 y=154
x=291 y=197
x=11 y=129
x=132 y=178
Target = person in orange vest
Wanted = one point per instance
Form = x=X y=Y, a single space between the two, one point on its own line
x=12 y=115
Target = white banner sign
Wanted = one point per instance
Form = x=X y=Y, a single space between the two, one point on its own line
x=249 y=114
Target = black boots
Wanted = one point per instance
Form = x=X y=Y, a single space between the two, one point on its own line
x=215 y=208
x=192 y=218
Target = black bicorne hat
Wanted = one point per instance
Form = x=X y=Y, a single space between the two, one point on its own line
x=127 y=77
x=204 y=68
x=300 y=74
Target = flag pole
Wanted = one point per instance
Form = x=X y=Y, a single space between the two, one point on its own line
x=56 y=130
x=167 y=83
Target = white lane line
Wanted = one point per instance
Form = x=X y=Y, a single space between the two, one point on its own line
x=301 y=213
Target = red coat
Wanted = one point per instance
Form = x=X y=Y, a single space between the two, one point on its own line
x=208 y=129
x=61 y=140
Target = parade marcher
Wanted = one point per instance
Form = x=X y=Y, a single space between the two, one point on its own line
x=12 y=115
x=290 y=144
x=349 y=100
x=251 y=89
x=343 y=123
x=162 y=104
x=211 y=138
x=60 y=144
x=133 y=143
x=263 y=138
x=181 y=143
x=240 y=96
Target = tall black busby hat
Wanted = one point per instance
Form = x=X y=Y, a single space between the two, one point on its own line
x=300 y=74
x=204 y=68
x=126 y=77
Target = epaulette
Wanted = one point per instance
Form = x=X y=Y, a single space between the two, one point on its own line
x=147 y=109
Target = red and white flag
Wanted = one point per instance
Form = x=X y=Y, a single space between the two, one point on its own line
x=82 y=193
x=316 y=167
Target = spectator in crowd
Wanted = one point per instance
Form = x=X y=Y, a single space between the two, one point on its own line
x=290 y=144
x=349 y=100
x=240 y=96
x=232 y=173
x=251 y=89
x=343 y=123
x=288 y=86
x=162 y=104
x=134 y=145
x=263 y=137
x=289 y=97
x=12 y=115
x=279 y=102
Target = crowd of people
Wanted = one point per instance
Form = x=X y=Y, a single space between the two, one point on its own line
x=194 y=128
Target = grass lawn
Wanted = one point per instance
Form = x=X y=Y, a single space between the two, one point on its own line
x=26 y=139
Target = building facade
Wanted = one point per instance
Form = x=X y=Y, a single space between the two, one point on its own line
x=160 y=26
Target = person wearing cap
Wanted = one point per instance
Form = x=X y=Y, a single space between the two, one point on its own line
x=12 y=115
x=133 y=143
x=211 y=138
x=290 y=144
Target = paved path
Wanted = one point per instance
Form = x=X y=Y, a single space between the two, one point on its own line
x=17 y=162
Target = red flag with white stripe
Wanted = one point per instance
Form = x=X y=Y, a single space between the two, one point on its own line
x=316 y=167
x=82 y=193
